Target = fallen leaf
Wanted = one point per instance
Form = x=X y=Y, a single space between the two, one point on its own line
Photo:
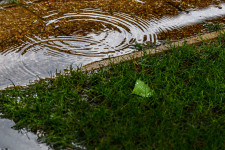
x=142 y=89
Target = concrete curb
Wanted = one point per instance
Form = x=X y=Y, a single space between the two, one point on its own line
x=138 y=54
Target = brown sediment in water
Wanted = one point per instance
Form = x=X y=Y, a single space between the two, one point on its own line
x=191 y=41
x=22 y=21
x=193 y=4
x=189 y=31
x=15 y=25
x=40 y=37
x=177 y=34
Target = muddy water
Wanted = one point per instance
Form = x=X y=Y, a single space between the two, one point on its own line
x=102 y=34
x=39 y=57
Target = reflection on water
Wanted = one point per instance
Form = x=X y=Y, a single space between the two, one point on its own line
x=122 y=32
x=39 y=56
x=4 y=1
x=190 y=18
x=13 y=140
x=140 y=1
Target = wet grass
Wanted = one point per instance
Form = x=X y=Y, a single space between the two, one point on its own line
x=213 y=26
x=143 y=46
x=13 y=2
x=98 y=110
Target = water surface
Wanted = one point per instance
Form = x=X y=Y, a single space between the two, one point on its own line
x=11 y=139
x=108 y=35
x=112 y=35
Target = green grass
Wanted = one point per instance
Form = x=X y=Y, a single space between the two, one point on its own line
x=99 y=111
x=13 y=2
x=144 y=46
x=213 y=26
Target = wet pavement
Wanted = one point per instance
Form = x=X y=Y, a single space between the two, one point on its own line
x=39 y=37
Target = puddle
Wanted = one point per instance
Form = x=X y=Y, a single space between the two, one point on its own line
x=11 y=139
x=106 y=35
x=139 y=1
x=4 y=1
x=81 y=37
x=40 y=56
x=190 y=18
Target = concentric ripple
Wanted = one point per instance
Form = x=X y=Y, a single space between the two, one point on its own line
x=111 y=35
x=124 y=31
x=38 y=57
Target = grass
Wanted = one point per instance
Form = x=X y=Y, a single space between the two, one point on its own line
x=213 y=26
x=97 y=110
x=144 y=46
x=13 y=2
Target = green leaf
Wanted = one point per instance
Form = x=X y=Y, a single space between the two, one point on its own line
x=142 y=89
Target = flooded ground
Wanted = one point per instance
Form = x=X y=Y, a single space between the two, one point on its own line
x=39 y=37
x=11 y=139
x=3 y=1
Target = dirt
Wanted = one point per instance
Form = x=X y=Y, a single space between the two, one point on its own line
x=19 y=21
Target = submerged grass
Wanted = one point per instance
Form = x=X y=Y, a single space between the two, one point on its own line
x=213 y=26
x=99 y=111
x=13 y=2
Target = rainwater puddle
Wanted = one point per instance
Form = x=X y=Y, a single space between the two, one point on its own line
x=140 y=1
x=11 y=139
x=4 y=1
x=112 y=35
x=39 y=57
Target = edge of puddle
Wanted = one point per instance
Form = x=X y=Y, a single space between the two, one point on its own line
x=138 y=54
